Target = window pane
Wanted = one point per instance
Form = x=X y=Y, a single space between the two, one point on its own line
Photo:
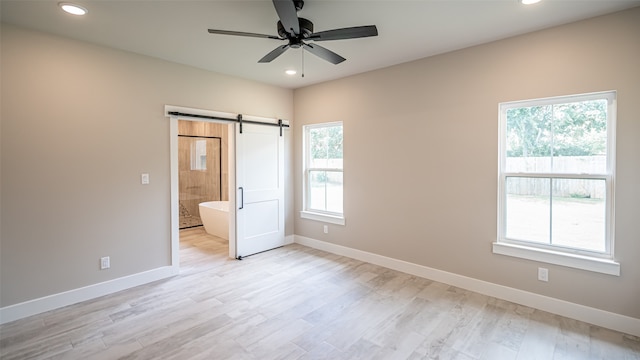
x=578 y=213
x=580 y=137
x=527 y=209
x=199 y=155
x=528 y=142
x=568 y=138
x=325 y=191
x=325 y=147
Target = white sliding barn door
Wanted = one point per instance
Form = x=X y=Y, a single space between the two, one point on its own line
x=260 y=189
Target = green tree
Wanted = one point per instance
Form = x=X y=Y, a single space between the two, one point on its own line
x=326 y=145
x=326 y=142
x=571 y=129
x=528 y=131
x=580 y=128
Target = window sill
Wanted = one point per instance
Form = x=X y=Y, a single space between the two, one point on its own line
x=603 y=266
x=338 y=220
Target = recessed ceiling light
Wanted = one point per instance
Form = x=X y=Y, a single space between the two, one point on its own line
x=73 y=9
x=291 y=72
x=529 y=2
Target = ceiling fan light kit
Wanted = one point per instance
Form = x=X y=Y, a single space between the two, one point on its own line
x=298 y=31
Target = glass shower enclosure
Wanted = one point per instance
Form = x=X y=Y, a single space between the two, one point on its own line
x=199 y=176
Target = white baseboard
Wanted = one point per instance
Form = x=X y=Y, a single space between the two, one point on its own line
x=289 y=239
x=40 y=305
x=587 y=314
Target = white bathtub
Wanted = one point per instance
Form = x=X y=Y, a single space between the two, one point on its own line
x=215 y=218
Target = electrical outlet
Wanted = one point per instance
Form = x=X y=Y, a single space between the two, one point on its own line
x=543 y=274
x=144 y=179
x=105 y=263
x=326 y=229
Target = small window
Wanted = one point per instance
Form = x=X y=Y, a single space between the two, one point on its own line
x=199 y=155
x=556 y=177
x=323 y=172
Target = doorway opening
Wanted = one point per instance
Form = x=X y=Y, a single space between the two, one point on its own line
x=203 y=184
x=252 y=173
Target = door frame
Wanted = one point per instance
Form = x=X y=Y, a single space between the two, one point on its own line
x=173 y=141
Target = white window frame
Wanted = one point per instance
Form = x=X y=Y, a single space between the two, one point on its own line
x=314 y=214
x=602 y=262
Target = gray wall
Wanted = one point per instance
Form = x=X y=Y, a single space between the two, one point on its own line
x=80 y=123
x=421 y=143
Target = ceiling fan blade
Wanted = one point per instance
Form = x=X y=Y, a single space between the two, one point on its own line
x=240 y=33
x=286 y=10
x=324 y=53
x=345 y=33
x=274 y=54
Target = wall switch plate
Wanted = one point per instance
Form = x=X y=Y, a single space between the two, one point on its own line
x=326 y=229
x=105 y=263
x=144 y=179
x=543 y=274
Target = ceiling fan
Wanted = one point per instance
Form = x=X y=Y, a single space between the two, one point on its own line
x=299 y=30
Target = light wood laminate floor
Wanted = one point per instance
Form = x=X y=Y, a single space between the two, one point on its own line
x=300 y=303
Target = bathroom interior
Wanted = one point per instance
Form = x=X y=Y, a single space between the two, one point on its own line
x=203 y=176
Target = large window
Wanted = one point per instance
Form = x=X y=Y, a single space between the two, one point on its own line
x=556 y=180
x=323 y=172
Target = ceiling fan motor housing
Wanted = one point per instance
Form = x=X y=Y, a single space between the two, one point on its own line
x=306 y=29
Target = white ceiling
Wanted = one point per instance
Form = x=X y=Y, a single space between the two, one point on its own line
x=408 y=30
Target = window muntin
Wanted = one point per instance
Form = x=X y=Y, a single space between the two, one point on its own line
x=324 y=169
x=556 y=174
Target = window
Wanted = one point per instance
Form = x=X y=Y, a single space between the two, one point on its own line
x=556 y=181
x=199 y=155
x=323 y=173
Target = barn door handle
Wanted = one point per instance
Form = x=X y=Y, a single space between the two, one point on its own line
x=241 y=198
